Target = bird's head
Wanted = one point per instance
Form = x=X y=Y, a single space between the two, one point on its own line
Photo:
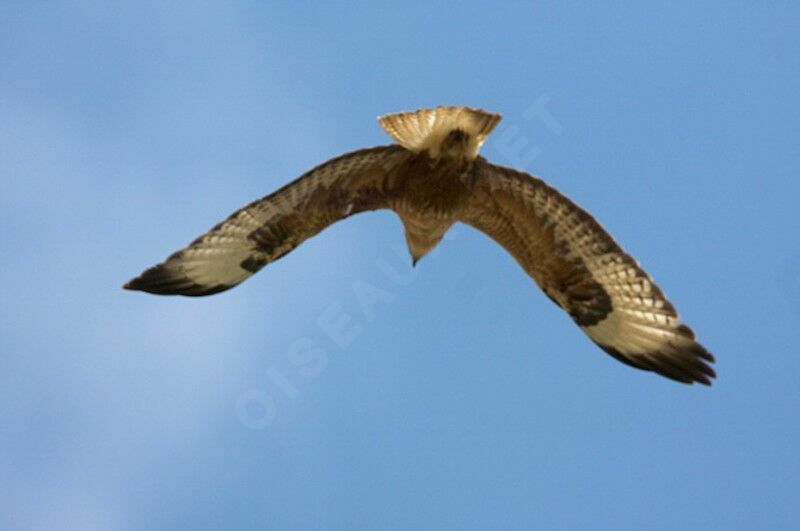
x=457 y=145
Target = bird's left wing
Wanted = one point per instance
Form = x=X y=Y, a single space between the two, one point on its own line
x=583 y=270
x=269 y=228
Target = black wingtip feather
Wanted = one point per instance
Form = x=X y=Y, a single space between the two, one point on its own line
x=160 y=280
x=689 y=367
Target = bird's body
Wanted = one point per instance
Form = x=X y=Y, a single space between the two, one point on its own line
x=432 y=178
x=431 y=196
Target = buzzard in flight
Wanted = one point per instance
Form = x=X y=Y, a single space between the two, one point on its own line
x=433 y=177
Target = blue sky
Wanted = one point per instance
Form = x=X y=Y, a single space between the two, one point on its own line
x=463 y=399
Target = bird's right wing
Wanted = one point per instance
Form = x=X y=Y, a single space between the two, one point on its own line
x=269 y=228
x=583 y=270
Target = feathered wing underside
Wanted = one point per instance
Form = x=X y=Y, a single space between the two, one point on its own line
x=426 y=128
x=583 y=270
x=269 y=228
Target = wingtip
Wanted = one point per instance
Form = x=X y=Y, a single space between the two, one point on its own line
x=141 y=284
x=687 y=369
x=132 y=284
x=159 y=280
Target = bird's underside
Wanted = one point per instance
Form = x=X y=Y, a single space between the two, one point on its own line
x=432 y=178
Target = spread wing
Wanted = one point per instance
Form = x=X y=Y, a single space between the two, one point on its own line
x=583 y=270
x=269 y=228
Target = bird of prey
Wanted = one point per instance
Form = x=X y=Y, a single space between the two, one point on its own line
x=433 y=177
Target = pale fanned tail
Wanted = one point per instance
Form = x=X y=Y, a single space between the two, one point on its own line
x=422 y=129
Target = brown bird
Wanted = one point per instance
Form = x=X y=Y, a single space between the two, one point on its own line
x=432 y=178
